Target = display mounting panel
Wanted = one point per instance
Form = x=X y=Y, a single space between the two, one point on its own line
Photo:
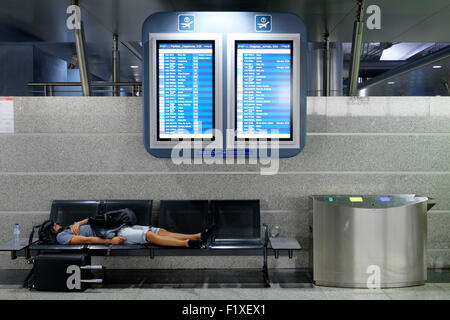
x=185 y=82
x=263 y=89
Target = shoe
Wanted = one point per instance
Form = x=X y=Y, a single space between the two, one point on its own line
x=197 y=244
x=205 y=234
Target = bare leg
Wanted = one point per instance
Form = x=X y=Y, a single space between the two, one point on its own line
x=165 y=240
x=181 y=236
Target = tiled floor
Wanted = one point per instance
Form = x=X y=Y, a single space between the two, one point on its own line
x=428 y=292
x=224 y=285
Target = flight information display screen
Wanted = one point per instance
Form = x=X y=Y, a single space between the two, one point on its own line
x=263 y=89
x=185 y=76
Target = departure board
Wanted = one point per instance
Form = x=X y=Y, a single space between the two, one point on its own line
x=263 y=89
x=185 y=89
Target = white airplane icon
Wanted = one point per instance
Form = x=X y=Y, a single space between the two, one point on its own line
x=263 y=25
x=187 y=24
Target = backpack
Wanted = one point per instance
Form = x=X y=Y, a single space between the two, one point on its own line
x=46 y=233
x=114 y=219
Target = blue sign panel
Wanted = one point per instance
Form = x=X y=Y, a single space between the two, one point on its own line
x=186 y=23
x=263 y=90
x=263 y=23
x=185 y=89
x=385 y=199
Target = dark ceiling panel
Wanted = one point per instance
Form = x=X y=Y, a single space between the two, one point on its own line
x=219 y=5
x=401 y=21
x=412 y=20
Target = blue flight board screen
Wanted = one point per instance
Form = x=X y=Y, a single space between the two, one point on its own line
x=263 y=89
x=185 y=89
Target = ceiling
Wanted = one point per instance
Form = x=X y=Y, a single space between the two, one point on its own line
x=43 y=23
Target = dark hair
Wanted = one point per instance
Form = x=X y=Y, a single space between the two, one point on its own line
x=47 y=235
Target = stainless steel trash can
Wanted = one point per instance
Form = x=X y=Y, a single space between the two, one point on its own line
x=363 y=241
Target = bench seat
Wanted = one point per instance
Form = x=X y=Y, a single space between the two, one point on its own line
x=241 y=245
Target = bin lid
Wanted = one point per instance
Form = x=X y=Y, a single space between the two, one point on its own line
x=370 y=201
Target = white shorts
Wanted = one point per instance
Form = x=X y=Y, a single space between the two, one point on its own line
x=136 y=234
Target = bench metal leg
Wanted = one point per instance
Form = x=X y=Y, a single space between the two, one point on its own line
x=152 y=253
x=27 y=279
x=266 y=269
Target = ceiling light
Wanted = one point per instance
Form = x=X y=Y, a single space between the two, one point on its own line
x=134 y=67
x=391 y=82
x=404 y=50
x=437 y=67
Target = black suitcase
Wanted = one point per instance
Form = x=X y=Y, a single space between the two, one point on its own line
x=62 y=272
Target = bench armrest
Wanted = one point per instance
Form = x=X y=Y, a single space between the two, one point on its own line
x=30 y=239
x=266 y=235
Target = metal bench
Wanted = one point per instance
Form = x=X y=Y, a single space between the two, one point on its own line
x=237 y=233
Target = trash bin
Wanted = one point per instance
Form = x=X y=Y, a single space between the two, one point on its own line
x=369 y=241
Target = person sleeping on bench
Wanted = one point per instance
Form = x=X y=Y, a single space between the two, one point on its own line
x=81 y=232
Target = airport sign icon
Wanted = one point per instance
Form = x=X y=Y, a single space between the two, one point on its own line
x=186 y=23
x=263 y=23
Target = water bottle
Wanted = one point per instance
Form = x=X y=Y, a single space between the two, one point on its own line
x=16 y=232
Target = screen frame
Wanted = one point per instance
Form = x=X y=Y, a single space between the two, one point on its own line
x=296 y=84
x=291 y=107
x=153 y=116
x=212 y=42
